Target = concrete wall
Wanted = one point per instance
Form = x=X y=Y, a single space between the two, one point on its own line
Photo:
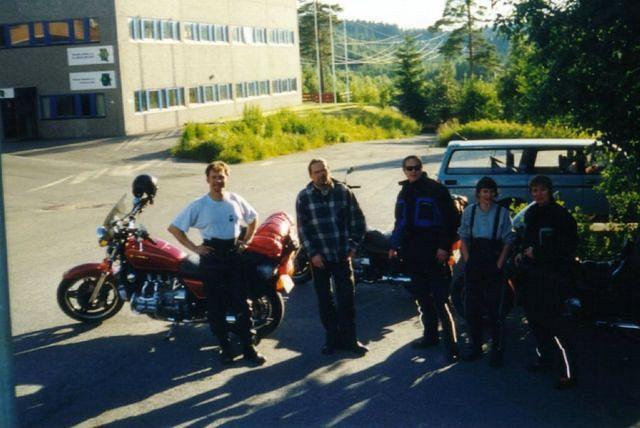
x=152 y=65
x=46 y=67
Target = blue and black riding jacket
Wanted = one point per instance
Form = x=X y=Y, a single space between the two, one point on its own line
x=425 y=219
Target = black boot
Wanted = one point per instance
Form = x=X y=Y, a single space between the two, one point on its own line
x=226 y=355
x=250 y=353
x=424 y=342
x=330 y=344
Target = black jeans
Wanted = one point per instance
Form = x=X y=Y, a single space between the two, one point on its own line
x=485 y=292
x=430 y=287
x=543 y=306
x=338 y=320
x=226 y=290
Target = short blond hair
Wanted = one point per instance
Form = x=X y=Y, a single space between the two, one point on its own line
x=218 y=166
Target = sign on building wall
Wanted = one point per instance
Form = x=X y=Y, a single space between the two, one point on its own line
x=7 y=93
x=90 y=55
x=92 y=80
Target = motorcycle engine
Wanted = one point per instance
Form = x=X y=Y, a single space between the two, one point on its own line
x=162 y=297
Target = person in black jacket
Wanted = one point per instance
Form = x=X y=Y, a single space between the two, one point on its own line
x=423 y=234
x=550 y=242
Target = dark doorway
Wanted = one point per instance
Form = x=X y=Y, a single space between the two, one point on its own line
x=19 y=115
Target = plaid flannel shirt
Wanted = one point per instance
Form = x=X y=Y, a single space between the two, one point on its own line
x=331 y=224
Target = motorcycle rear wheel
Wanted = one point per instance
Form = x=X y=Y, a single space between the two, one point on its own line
x=74 y=294
x=267 y=313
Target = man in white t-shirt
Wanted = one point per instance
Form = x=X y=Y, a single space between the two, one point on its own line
x=218 y=216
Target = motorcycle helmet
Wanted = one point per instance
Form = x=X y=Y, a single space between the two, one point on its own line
x=144 y=184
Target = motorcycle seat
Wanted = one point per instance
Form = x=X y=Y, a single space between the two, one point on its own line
x=190 y=267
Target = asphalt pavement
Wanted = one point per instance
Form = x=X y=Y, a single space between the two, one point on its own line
x=125 y=373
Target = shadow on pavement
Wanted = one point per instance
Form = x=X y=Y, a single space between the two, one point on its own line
x=82 y=380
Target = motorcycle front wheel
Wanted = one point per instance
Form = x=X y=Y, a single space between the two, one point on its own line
x=267 y=313
x=74 y=297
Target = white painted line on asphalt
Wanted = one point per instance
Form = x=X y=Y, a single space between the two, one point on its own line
x=62 y=180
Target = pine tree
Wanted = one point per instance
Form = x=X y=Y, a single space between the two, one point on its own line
x=463 y=19
x=410 y=75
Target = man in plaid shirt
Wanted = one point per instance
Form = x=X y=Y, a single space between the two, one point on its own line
x=331 y=226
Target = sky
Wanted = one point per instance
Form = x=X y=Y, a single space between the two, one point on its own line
x=404 y=13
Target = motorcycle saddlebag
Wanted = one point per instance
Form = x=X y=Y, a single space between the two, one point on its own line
x=273 y=236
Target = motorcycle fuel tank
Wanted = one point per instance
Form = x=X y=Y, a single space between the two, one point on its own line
x=155 y=255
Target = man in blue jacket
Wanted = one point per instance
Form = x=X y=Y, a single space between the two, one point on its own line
x=424 y=231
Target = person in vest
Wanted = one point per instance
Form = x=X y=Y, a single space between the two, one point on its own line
x=487 y=236
x=423 y=234
x=550 y=242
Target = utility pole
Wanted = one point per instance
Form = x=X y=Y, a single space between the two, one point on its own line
x=333 y=60
x=315 y=21
x=7 y=388
x=346 y=60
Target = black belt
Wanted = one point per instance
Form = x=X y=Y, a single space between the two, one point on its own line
x=221 y=247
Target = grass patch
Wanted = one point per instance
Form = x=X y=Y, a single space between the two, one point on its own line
x=496 y=129
x=257 y=136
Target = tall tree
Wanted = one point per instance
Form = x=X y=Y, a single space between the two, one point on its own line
x=590 y=51
x=306 y=26
x=464 y=20
x=410 y=77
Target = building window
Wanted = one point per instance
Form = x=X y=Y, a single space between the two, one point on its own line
x=76 y=106
x=59 y=32
x=281 y=37
x=43 y=33
x=153 y=29
x=255 y=88
x=210 y=93
x=19 y=35
x=280 y=86
x=38 y=36
x=200 y=32
x=158 y=99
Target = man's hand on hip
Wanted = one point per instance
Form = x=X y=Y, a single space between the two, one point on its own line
x=203 y=250
x=442 y=255
x=317 y=261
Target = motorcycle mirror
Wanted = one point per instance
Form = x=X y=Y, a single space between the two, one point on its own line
x=350 y=170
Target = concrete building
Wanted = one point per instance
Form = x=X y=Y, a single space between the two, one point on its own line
x=95 y=68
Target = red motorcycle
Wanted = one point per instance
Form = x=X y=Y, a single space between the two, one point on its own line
x=164 y=282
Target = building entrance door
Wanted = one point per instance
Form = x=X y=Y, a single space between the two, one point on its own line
x=19 y=114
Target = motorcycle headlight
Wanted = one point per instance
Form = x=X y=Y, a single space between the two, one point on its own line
x=102 y=236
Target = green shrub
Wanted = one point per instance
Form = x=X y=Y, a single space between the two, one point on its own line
x=496 y=129
x=257 y=136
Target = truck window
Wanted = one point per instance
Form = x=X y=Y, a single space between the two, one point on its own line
x=485 y=161
x=560 y=161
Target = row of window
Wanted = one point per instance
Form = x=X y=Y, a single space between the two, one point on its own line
x=254 y=88
x=210 y=93
x=162 y=29
x=284 y=85
x=158 y=99
x=43 y=33
x=91 y=105
x=206 y=32
x=154 y=29
x=74 y=106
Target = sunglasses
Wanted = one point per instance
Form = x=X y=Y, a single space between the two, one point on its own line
x=412 y=168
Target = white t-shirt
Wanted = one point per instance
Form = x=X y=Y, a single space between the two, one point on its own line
x=216 y=219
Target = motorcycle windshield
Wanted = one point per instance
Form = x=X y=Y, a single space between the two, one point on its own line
x=118 y=211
